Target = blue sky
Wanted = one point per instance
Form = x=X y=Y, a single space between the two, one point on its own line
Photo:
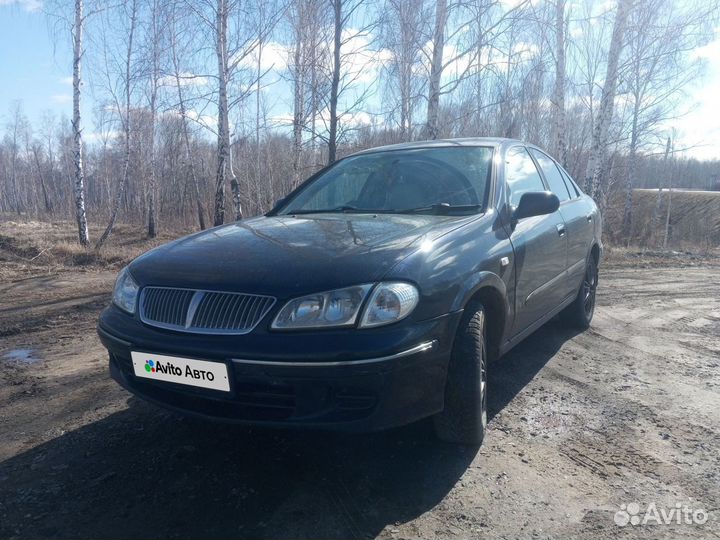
x=32 y=69
x=37 y=72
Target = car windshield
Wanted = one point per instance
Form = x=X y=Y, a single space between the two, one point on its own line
x=423 y=180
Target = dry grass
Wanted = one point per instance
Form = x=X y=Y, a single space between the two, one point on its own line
x=694 y=219
x=55 y=243
x=642 y=257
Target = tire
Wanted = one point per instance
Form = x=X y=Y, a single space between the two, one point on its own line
x=579 y=314
x=464 y=418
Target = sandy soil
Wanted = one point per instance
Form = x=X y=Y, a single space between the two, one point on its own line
x=580 y=424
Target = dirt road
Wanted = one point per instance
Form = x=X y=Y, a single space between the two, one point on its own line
x=626 y=412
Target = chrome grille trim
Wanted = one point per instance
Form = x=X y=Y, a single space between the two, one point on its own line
x=201 y=311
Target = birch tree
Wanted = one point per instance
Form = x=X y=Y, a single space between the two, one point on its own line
x=180 y=78
x=16 y=126
x=298 y=68
x=78 y=51
x=345 y=70
x=233 y=51
x=436 y=69
x=658 y=202
x=154 y=44
x=558 y=101
x=339 y=20
x=598 y=149
x=404 y=35
x=125 y=118
x=465 y=28
x=224 y=165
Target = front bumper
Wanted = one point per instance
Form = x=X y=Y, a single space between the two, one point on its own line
x=340 y=379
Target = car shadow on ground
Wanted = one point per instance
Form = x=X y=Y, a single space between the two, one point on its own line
x=512 y=372
x=145 y=473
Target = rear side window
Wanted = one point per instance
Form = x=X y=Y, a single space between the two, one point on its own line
x=552 y=175
x=575 y=191
x=521 y=174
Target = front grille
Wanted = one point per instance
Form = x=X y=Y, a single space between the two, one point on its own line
x=203 y=312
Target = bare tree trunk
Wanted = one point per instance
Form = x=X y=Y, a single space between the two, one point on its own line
x=258 y=154
x=41 y=176
x=667 y=216
x=560 y=146
x=235 y=188
x=223 y=151
x=14 y=160
x=127 y=128
x=298 y=93
x=190 y=159
x=658 y=202
x=154 y=82
x=315 y=40
x=436 y=69
x=669 y=210
x=632 y=171
x=405 y=63
x=80 y=215
x=335 y=84
x=598 y=151
x=186 y=137
x=152 y=181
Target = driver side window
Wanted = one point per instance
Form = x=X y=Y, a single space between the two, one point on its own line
x=521 y=174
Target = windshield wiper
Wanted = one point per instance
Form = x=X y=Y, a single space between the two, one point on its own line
x=441 y=208
x=345 y=209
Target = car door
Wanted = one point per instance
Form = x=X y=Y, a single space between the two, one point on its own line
x=540 y=245
x=577 y=210
x=580 y=215
x=568 y=210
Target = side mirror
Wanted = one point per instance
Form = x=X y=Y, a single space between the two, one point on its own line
x=535 y=203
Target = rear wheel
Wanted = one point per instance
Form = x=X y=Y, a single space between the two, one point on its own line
x=464 y=417
x=579 y=314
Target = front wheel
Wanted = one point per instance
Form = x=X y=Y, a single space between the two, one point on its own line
x=579 y=314
x=464 y=417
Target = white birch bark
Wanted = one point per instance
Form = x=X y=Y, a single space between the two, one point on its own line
x=598 y=150
x=154 y=87
x=436 y=69
x=559 y=125
x=335 y=83
x=223 y=148
x=79 y=188
x=298 y=75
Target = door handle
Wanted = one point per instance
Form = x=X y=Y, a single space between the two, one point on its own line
x=589 y=218
x=561 y=229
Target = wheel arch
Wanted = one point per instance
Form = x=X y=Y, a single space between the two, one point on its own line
x=490 y=291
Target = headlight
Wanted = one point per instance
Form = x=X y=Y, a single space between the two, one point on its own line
x=389 y=302
x=126 y=291
x=331 y=308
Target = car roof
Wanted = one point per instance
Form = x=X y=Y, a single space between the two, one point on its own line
x=438 y=143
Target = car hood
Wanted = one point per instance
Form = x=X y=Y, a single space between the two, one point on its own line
x=284 y=256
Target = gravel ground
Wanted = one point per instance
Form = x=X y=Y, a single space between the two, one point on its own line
x=581 y=424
